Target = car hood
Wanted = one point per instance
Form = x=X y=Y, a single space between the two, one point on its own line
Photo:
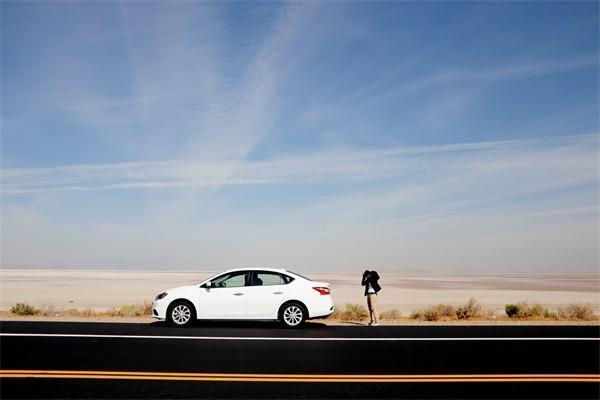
x=180 y=289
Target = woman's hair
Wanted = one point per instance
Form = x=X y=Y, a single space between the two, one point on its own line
x=366 y=272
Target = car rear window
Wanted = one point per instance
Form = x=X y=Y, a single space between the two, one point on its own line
x=301 y=276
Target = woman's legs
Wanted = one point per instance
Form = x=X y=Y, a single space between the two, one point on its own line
x=372 y=303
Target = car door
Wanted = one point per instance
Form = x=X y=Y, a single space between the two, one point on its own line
x=267 y=291
x=226 y=297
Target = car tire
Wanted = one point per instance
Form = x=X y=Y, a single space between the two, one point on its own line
x=181 y=313
x=293 y=315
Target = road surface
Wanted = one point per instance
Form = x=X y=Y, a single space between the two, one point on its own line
x=263 y=360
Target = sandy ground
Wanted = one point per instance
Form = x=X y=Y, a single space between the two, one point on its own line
x=100 y=290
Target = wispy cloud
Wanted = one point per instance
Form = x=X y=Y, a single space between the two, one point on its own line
x=493 y=156
x=397 y=86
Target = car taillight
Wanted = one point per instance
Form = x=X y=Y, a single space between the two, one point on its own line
x=322 y=290
x=162 y=295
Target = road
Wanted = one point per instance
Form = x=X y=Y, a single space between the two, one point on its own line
x=263 y=360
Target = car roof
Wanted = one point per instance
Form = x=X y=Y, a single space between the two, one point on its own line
x=255 y=269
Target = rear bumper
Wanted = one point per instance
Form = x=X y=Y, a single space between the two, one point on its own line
x=324 y=315
x=321 y=308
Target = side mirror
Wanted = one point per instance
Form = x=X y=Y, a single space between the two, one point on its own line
x=208 y=284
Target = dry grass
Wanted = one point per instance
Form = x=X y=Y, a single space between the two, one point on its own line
x=439 y=311
x=535 y=311
x=127 y=310
x=447 y=312
x=24 y=309
x=356 y=312
x=132 y=310
x=391 y=315
x=352 y=312
x=522 y=310
x=525 y=310
x=578 y=312
x=471 y=310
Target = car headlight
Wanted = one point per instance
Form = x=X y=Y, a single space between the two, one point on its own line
x=161 y=296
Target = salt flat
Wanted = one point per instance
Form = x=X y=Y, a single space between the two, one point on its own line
x=101 y=289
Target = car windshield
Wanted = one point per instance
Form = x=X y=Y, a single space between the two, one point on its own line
x=212 y=278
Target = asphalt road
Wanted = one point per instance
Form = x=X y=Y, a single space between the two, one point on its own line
x=263 y=360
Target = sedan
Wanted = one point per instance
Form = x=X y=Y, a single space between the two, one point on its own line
x=246 y=294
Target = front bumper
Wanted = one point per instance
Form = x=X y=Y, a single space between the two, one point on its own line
x=159 y=308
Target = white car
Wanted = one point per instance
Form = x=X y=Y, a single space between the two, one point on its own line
x=246 y=294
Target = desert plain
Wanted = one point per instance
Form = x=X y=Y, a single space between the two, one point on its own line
x=104 y=289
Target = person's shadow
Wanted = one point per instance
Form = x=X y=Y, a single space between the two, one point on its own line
x=355 y=323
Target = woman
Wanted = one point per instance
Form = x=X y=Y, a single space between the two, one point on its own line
x=370 y=282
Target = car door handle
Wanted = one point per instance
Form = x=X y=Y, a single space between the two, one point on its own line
x=238 y=294
x=277 y=292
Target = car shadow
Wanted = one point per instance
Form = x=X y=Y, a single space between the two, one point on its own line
x=244 y=325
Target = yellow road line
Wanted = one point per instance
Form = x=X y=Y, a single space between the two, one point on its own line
x=359 y=378
x=73 y=372
x=287 y=380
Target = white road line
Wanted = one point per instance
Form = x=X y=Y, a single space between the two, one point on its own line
x=305 y=339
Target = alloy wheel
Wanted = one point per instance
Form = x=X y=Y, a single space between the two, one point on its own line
x=293 y=315
x=181 y=314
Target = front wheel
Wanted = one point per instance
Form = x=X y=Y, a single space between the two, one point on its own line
x=293 y=315
x=181 y=313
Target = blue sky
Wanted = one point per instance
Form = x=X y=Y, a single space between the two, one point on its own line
x=316 y=136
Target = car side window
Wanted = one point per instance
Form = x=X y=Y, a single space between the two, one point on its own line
x=234 y=279
x=264 y=278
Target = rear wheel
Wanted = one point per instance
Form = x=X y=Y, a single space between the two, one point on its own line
x=181 y=313
x=292 y=315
